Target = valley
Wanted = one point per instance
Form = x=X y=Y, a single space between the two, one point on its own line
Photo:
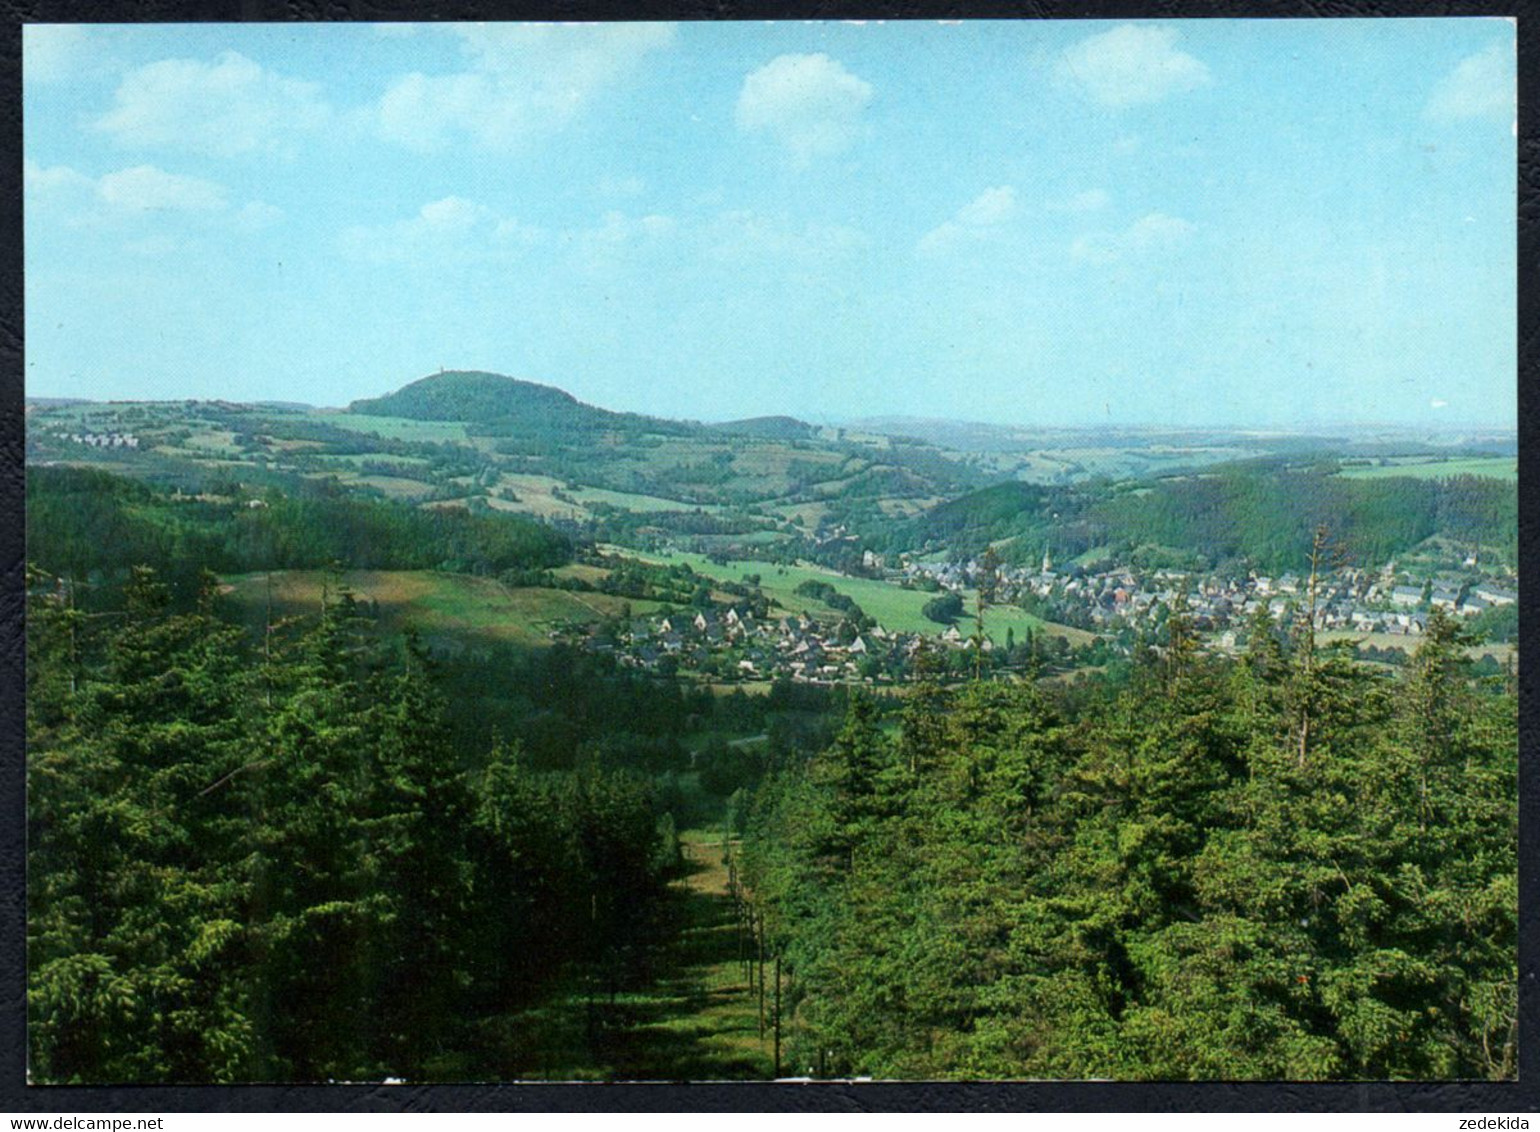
x=662 y=681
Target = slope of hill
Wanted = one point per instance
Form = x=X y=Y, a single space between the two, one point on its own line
x=1259 y=511
x=770 y=428
x=497 y=402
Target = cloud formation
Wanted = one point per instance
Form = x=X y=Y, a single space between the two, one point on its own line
x=466 y=233
x=977 y=220
x=520 y=81
x=42 y=184
x=1131 y=65
x=136 y=194
x=144 y=188
x=226 y=108
x=809 y=103
x=1149 y=234
x=1484 y=85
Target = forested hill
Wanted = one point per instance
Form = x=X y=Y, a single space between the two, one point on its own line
x=1261 y=512
x=770 y=428
x=491 y=399
x=85 y=523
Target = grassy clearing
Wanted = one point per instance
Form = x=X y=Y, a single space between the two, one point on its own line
x=1437 y=468
x=643 y=504
x=218 y=441
x=697 y=1021
x=436 y=605
x=395 y=428
x=396 y=487
x=895 y=608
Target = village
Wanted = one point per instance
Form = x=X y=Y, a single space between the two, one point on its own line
x=1119 y=605
x=99 y=439
x=1353 y=599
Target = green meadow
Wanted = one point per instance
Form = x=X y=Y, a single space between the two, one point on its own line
x=1435 y=468
x=895 y=608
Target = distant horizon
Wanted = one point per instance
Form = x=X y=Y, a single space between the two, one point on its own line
x=894 y=420
x=1175 y=221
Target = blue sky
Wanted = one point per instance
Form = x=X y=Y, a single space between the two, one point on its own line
x=1221 y=222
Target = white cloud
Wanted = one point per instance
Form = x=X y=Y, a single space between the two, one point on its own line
x=454 y=230
x=52 y=53
x=521 y=80
x=228 y=107
x=1438 y=403
x=1484 y=85
x=977 y=220
x=127 y=199
x=1092 y=200
x=1149 y=234
x=45 y=184
x=1130 y=65
x=144 y=188
x=809 y=103
x=466 y=234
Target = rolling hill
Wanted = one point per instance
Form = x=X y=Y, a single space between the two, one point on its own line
x=497 y=402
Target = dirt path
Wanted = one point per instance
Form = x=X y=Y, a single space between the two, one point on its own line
x=700 y=1021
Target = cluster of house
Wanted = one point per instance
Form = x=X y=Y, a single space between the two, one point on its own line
x=99 y=439
x=1358 y=600
x=793 y=647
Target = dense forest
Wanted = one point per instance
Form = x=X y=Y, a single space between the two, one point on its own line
x=268 y=862
x=1286 y=866
x=1289 y=865
x=86 y=524
x=494 y=405
x=1261 y=512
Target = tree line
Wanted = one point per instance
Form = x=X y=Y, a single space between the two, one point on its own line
x=1261 y=512
x=83 y=523
x=1288 y=866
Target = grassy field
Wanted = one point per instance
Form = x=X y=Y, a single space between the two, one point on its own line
x=632 y=501
x=395 y=428
x=1436 y=468
x=895 y=608
x=436 y=605
x=394 y=487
